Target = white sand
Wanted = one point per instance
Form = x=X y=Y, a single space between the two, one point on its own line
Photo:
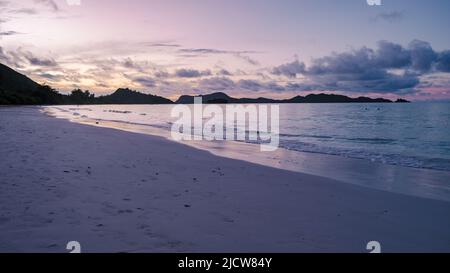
x=117 y=191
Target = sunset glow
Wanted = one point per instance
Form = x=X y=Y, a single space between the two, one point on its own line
x=245 y=48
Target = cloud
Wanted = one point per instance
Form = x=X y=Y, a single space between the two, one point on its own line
x=161 y=74
x=360 y=70
x=21 y=58
x=3 y=56
x=443 y=61
x=252 y=85
x=212 y=51
x=37 y=61
x=242 y=55
x=290 y=69
x=9 y=33
x=192 y=73
x=246 y=58
x=390 y=55
x=224 y=72
x=50 y=76
x=390 y=16
x=422 y=55
x=162 y=45
x=129 y=63
x=226 y=84
x=389 y=68
x=145 y=81
x=216 y=84
x=200 y=51
x=4 y=3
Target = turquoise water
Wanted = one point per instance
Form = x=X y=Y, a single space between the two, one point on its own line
x=413 y=135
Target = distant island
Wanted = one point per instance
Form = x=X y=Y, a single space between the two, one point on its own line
x=312 y=98
x=17 y=89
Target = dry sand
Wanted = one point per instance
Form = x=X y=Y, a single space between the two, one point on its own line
x=116 y=191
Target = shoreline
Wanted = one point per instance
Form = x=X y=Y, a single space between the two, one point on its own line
x=420 y=182
x=117 y=191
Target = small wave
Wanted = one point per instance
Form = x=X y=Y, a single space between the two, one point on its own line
x=442 y=164
x=305 y=135
x=372 y=140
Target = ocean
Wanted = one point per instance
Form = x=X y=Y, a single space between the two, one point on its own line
x=413 y=135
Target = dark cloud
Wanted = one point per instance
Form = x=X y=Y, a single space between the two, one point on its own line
x=20 y=59
x=443 y=61
x=140 y=66
x=216 y=84
x=192 y=73
x=361 y=70
x=161 y=74
x=252 y=85
x=422 y=55
x=226 y=84
x=273 y=86
x=290 y=69
x=51 y=77
x=33 y=60
x=389 y=68
x=224 y=72
x=390 y=55
x=246 y=59
x=129 y=63
x=146 y=81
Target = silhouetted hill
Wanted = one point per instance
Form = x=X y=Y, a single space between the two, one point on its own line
x=332 y=98
x=127 y=96
x=312 y=98
x=17 y=89
x=218 y=97
x=221 y=97
x=13 y=81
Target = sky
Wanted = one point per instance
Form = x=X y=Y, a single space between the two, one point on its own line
x=246 y=48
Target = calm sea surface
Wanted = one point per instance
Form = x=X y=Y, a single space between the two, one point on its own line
x=413 y=135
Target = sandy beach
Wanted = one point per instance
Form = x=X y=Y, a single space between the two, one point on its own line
x=117 y=191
